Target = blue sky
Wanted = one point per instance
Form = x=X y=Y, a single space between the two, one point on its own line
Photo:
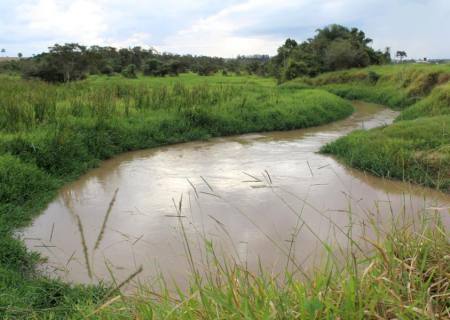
x=221 y=28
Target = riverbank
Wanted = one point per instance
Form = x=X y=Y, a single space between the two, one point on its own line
x=57 y=133
x=416 y=147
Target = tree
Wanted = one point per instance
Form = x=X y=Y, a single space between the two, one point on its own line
x=295 y=69
x=3 y=50
x=129 y=71
x=155 y=67
x=401 y=55
x=174 y=67
x=20 y=55
x=332 y=48
x=341 y=54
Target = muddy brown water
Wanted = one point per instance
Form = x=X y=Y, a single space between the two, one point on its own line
x=246 y=194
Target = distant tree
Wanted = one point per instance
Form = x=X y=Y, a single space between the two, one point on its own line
x=20 y=55
x=401 y=55
x=63 y=63
x=129 y=71
x=3 y=51
x=295 y=69
x=206 y=69
x=341 y=54
x=174 y=67
x=253 y=67
x=286 y=50
x=106 y=69
x=155 y=67
x=70 y=60
x=332 y=48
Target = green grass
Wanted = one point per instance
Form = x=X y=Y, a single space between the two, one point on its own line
x=405 y=277
x=397 y=86
x=436 y=104
x=417 y=151
x=416 y=147
x=50 y=134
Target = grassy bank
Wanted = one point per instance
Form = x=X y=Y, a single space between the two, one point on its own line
x=397 y=86
x=51 y=134
x=415 y=150
x=416 y=147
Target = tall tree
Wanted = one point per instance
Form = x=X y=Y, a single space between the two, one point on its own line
x=401 y=55
x=332 y=48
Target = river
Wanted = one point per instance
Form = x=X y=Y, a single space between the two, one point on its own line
x=257 y=198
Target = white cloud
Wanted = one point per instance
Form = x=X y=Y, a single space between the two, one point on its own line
x=79 y=20
x=259 y=26
x=141 y=39
x=221 y=27
x=218 y=34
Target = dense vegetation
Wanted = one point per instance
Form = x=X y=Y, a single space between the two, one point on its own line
x=417 y=146
x=50 y=134
x=332 y=48
x=72 y=61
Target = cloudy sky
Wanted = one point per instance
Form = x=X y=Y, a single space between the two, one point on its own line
x=221 y=27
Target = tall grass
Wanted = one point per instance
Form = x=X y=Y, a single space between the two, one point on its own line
x=403 y=277
x=437 y=103
x=418 y=150
x=398 y=86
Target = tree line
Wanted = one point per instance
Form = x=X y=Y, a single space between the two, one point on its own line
x=334 y=47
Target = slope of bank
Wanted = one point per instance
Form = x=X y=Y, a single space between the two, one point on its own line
x=416 y=147
x=50 y=134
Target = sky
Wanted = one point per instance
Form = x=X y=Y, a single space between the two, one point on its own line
x=223 y=28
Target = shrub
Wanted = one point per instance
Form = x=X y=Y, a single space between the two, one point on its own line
x=373 y=77
x=129 y=72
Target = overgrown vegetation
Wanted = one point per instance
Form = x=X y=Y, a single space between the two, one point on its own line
x=417 y=146
x=50 y=134
x=333 y=48
x=72 y=62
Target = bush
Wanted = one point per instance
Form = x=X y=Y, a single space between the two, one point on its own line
x=107 y=70
x=129 y=72
x=373 y=77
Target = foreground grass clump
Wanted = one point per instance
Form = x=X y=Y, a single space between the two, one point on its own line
x=50 y=134
x=403 y=277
